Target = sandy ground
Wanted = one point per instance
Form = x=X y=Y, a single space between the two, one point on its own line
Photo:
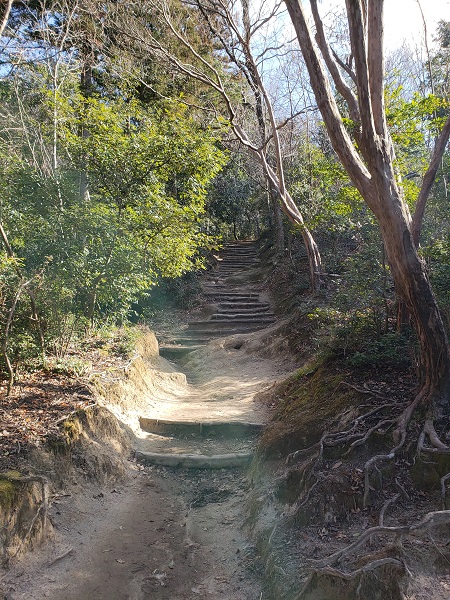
x=163 y=535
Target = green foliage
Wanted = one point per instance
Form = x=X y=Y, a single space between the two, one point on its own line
x=332 y=207
x=440 y=62
x=322 y=189
x=91 y=258
x=169 y=295
x=234 y=202
x=356 y=322
x=350 y=337
x=391 y=349
x=413 y=123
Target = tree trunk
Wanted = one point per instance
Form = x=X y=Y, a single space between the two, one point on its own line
x=372 y=173
x=86 y=92
x=277 y=227
x=410 y=278
x=413 y=286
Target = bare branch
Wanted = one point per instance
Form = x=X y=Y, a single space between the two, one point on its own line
x=341 y=86
x=261 y=22
x=5 y=16
x=339 y=137
x=346 y=67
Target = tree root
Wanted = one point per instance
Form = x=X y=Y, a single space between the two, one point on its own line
x=365 y=390
x=363 y=439
x=437 y=445
x=399 y=436
x=359 y=433
x=372 y=462
x=405 y=417
x=430 y=520
x=444 y=489
x=342 y=437
x=385 y=507
x=371 y=566
x=60 y=557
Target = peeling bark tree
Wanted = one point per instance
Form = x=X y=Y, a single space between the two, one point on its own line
x=371 y=168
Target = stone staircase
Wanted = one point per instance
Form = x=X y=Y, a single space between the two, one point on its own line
x=238 y=307
x=207 y=433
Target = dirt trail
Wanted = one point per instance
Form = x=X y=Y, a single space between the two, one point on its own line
x=169 y=534
x=162 y=534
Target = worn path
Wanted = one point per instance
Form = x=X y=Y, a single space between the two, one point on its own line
x=175 y=533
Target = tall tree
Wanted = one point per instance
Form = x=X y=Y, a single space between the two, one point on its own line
x=370 y=164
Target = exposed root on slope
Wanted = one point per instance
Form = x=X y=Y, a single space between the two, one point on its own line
x=429 y=521
x=352 y=473
x=328 y=565
x=353 y=575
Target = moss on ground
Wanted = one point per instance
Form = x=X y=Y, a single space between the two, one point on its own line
x=72 y=428
x=8 y=489
x=306 y=404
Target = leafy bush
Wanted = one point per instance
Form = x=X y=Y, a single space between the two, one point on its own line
x=390 y=349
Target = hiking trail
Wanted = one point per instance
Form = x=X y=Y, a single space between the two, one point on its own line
x=173 y=530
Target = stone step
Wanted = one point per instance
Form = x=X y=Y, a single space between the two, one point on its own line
x=223 y=291
x=239 y=313
x=195 y=340
x=232 y=322
x=219 y=297
x=238 y=262
x=195 y=461
x=243 y=305
x=233 y=268
x=176 y=352
x=228 y=429
x=245 y=250
x=240 y=246
x=221 y=276
x=232 y=263
x=244 y=258
x=239 y=252
x=226 y=271
x=237 y=316
x=200 y=336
